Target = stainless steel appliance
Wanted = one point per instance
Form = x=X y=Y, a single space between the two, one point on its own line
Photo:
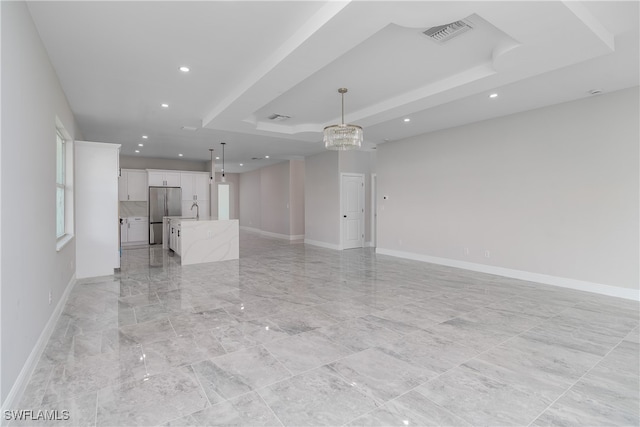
x=163 y=201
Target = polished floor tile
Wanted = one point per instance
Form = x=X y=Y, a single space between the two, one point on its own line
x=246 y=410
x=410 y=409
x=306 y=351
x=240 y=372
x=296 y=335
x=153 y=400
x=482 y=400
x=316 y=398
x=379 y=374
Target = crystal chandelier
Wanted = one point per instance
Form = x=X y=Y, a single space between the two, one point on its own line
x=342 y=137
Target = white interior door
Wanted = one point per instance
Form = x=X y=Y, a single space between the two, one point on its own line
x=352 y=208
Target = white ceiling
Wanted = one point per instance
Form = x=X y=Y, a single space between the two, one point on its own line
x=118 y=62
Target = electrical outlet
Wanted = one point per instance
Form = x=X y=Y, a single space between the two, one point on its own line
x=50 y=298
x=487 y=254
x=466 y=251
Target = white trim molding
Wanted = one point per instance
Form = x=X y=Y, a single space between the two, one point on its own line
x=322 y=244
x=274 y=235
x=16 y=392
x=580 y=285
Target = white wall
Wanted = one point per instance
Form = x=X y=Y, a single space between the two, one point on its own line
x=322 y=199
x=272 y=199
x=296 y=197
x=553 y=191
x=274 y=194
x=250 y=200
x=31 y=267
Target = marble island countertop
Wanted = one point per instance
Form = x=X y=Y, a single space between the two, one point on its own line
x=187 y=218
x=199 y=240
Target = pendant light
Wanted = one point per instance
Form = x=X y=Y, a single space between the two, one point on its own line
x=342 y=137
x=223 y=178
x=212 y=172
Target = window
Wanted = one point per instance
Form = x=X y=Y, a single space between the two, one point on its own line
x=60 y=184
x=64 y=186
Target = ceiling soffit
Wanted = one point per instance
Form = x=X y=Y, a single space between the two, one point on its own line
x=392 y=69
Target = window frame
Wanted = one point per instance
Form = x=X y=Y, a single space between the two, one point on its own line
x=64 y=182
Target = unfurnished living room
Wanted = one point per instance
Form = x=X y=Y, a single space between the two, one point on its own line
x=301 y=213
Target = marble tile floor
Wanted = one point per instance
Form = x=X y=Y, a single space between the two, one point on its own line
x=297 y=335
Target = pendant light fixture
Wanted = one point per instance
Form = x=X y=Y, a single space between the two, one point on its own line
x=223 y=178
x=212 y=172
x=342 y=137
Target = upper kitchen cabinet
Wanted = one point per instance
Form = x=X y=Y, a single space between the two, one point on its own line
x=195 y=186
x=160 y=178
x=132 y=185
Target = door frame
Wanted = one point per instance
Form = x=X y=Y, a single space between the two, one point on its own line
x=373 y=233
x=362 y=199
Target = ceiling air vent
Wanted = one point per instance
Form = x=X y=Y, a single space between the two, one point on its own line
x=278 y=117
x=442 y=33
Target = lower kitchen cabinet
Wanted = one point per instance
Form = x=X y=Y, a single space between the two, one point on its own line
x=135 y=230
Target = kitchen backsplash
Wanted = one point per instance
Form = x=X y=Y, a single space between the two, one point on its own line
x=128 y=209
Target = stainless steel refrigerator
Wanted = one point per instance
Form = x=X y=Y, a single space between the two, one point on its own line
x=163 y=201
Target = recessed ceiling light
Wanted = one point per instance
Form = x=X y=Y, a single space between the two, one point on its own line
x=217 y=158
x=241 y=164
x=140 y=145
x=144 y=137
x=165 y=105
x=137 y=151
x=184 y=69
x=266 y=157
x=493 y=95
x=180 y=155
x=407 y=120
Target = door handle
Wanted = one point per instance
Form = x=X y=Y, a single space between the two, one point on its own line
x=178 y=233
x=344 y=216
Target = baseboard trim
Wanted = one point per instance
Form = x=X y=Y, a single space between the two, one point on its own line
x=16 y=392
x=274 y=235
x=580 y=285
x=250 y=229
x=322 y=244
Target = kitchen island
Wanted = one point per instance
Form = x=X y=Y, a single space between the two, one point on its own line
x=201 y=240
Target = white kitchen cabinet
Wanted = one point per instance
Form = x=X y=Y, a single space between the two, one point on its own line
x=134 y=230
x=172 y=235
x=132 y=186
x=96 y=210
x=124 y=236
x=195 y=186
x=175 y=238
x=160 y=178
x=178 y=248
x=138 y=230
